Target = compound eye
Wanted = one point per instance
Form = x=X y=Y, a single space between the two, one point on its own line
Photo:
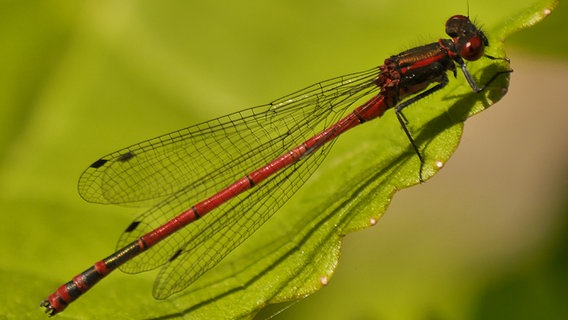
x=455 y=24
x=473 y=49
x=458 y=17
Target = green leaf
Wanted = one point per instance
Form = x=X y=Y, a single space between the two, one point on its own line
x=85 y=79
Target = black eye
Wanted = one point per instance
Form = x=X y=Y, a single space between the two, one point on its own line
x=473 y=49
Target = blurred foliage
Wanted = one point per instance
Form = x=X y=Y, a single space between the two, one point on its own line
x=535 y=291
x=546 y=39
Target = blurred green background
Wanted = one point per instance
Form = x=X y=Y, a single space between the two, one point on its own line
x=487 y=238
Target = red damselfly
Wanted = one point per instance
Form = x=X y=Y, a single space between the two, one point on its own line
x=261 y=147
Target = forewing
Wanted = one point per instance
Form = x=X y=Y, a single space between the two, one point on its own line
x=205 y=157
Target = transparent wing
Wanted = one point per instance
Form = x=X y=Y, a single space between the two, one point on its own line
x=208 y=156
x=206 y=245
x=188 y=253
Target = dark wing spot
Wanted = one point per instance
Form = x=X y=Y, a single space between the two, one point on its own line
x=132 y=226
x=99 y=163
x=126 y=156
x=175 y=255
